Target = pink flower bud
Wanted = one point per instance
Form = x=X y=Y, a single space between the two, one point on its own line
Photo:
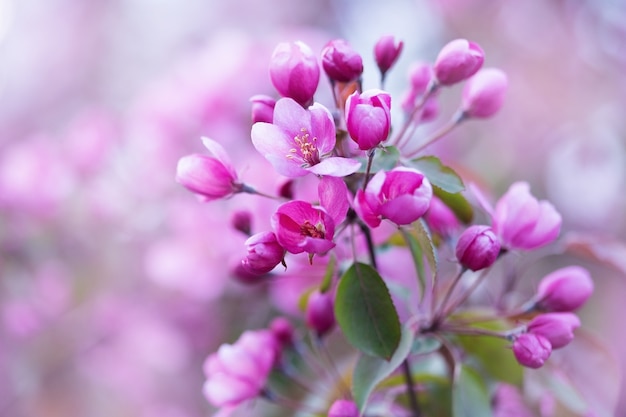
x=483 y=95
x=440 y=218
x=295 y=72
x=477 y=248
x=558 y=328
x=300 y=227
x=241 y=220
x=340 y=62
x=457 y=61
x=368 y=118
x=264 y=253
x=386 y=52
x=401 y=195
x=343 y=408
x=282 y=330
x=420 y=76
x=210 y=176
x=522 y=222
x=531 y=350
x=262 y=108
x=319 y=313
x=565 y=289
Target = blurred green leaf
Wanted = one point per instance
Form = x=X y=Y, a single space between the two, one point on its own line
x=421 y=245
x=365 y=312
x=461 y=208
x=328 y=275
x=438 y=174
x=384 y=160
x=469 y=395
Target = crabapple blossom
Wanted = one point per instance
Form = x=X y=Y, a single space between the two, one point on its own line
x=401 y=195
x=300 y=227
x=264 y=253
x=300 y=141
x=343 y=408
x=558 y=328
x=483 y=95
x=457 y=61
x=368 y=117
x=341 y=62
x=522 y=222
x=386 y=52
x=294 y=71
x=565 y=289
x=531 y=350
x=477 y=248
x=320 y=315
x=440 y=218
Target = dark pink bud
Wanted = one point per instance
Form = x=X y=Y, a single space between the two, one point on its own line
x=282 y=330
x=565 y=289
x=319 y=312
x=477 y=248
x=483 y=95
x=245 y=276
x=264 y=253
x=457 y=61
x=531 y=350
x=368 y=118
x=386 y=52
x=241 y=220
x=295 y=72
x=262 y=108
x=440 y=218
x=340 y=62
x=343 y=408
x=558 y=328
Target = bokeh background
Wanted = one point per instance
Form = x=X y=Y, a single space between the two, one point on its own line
x=115 y=282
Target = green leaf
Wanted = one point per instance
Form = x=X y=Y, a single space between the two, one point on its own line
x=365 y=312
x=371 y=370
x=438 y=174
x=328 y=275
x=421 y=245
x=425 y=344
x=458 y=204
x=469 y=395
x=384 y=159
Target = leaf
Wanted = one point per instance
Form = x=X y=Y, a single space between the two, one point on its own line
x=458 y=204
x=384 y=160
x=371 y=370
x=469 y=395
x=328 y=275
x=365 y=312
x=420 y=244
x=438 y=174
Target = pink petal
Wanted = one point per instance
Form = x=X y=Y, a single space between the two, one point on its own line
x=336 y=167
x=333 y=194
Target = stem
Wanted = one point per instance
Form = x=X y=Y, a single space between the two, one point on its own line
x=442 y=307
x=418 y=106
x=476 y=332
x=370 y=159
x=370 y=243
x=466 y=295
x=410 y=387
x=251 y=190
x=456 y=119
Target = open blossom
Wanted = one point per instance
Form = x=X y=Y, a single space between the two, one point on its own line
x=531 y=350
x=210 y=176
x=238 y=372
x=341 y=62
x=368 y=117
x=294 y=71
x=300 y=141
x=401 y=195
x=565 y=289
x=522 y=222
x=457 y=61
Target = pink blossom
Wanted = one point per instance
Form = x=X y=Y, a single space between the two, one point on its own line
x=457 y=61
x=343 y=408
x=264 y=253
x=522 y=222
x=477 y=248
x=210 y=176
x=440 y=218
x=386 y=52
x=238 y=372
x=368 y=117
x=320 y=315
x=301 y=141
x=565 y=289
x=294 y=71
x=300 y=227
x=531 y=350
x=341 y=62
x=262 y=108
x=558 y=328
x=483 y=95
x=401 y=195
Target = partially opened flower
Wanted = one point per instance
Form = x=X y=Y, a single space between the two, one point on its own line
x=300 y=141
x=368 y=117
x=294 y=71
x=264 y=253
x=300 y=227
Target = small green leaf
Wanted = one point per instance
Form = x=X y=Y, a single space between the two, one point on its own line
x=425 y=344
x=438 y=174
x=328 y=275
x=371 y=370
x=421 y=245
x=457 y=203
x=365 y=312
x=469 y=395
x=384 y=160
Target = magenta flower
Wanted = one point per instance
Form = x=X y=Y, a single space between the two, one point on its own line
x=386 y=52
x=238 y=372
x=531 y=350
x=558 y=328
x=440 y=218
x=522 y=222
x=401 y=195
x=301 y=141
x=320 y=315
x=264 y=253
x=209 y=176
x=483 y=95
x=457 y=61
x=295 y=72
x=300 y=227
x=262 y=108
x=477 y=248
x=565 y=289
x=341 y=62
x=368 y=118
x=343 y=408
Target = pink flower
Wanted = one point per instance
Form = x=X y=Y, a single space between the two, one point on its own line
x=483 y=95
x=440 y=218
x=558 y=328
x=386 y=52
x=300 y=227
x=301 y=141
x=401 y=195
x=477 y=248
x=368 y=118
x=457 y=61
x=340 y=62
x=522 y=222
x=343 y=408
x=320 y=315
x=209 y=176
x=295 y=72
x=262 y=108
x=531 y=350
x=264 y=253
x=238 y=372
x=565 y=289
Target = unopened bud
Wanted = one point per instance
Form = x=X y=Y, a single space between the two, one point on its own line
x=531 y=350
x=262 y=108
x=386 y=52
x=319 y=312
x=264 y=253
x=457 y=61
x=565 y=289
x=282 y=330
x=241 y=220
x=295 y=72
x=484 y=93
x=477 y=248
x=558 y=328
x=341 y=62
x=343 y=408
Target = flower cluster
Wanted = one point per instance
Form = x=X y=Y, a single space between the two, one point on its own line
x=368 y=192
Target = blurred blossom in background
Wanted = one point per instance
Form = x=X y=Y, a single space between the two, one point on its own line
x=115 y=282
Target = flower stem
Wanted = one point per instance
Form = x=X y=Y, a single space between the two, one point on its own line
x=410 y=387
x=368 y=169
x=442 y=307
x=418 y=106
x=456 y=119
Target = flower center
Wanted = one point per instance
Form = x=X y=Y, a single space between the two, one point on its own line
x=307 y=229
x=306 y=150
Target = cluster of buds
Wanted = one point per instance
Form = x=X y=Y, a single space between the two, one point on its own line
x=367 y=176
